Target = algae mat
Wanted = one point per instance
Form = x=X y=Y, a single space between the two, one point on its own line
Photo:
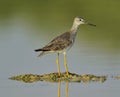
x=54 y=77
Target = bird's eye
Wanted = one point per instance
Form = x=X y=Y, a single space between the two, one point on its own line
x=81 y=19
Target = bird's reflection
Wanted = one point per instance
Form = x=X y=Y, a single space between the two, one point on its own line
x=66 y=89
x=59 y=86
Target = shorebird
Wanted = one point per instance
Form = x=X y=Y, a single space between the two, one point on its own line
x=62 y=43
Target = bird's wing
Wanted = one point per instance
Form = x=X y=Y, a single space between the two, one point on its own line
x=59 y=43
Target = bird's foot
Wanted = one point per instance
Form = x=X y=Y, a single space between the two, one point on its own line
x=59 y=74
x=68 y=74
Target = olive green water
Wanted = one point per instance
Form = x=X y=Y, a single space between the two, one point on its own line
x=26 y=25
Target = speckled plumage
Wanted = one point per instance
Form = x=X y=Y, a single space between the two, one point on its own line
x=59 y=43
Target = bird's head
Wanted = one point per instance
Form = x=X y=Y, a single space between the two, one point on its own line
x=79 y=21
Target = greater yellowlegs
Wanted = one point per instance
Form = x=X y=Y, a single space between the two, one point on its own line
x=62 y=43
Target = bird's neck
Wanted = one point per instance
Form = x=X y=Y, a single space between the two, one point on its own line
x=73 y=31
x=74 y=28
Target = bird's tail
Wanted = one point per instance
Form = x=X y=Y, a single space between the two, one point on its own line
x=42 y=53
x=37 y=50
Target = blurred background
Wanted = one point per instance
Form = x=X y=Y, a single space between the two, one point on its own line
x=26 y=25
x=38 y=19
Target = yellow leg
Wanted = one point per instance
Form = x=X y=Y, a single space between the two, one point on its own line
x=58 y=64
x=65 y=64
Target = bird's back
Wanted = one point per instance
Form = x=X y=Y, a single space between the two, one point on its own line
x=59 y=43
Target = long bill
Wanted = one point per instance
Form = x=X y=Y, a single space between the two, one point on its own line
x=91 y=24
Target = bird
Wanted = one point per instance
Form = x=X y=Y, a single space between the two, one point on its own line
x=63 y=42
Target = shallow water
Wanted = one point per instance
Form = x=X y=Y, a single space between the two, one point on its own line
x=18 y=58
x=27 y=26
